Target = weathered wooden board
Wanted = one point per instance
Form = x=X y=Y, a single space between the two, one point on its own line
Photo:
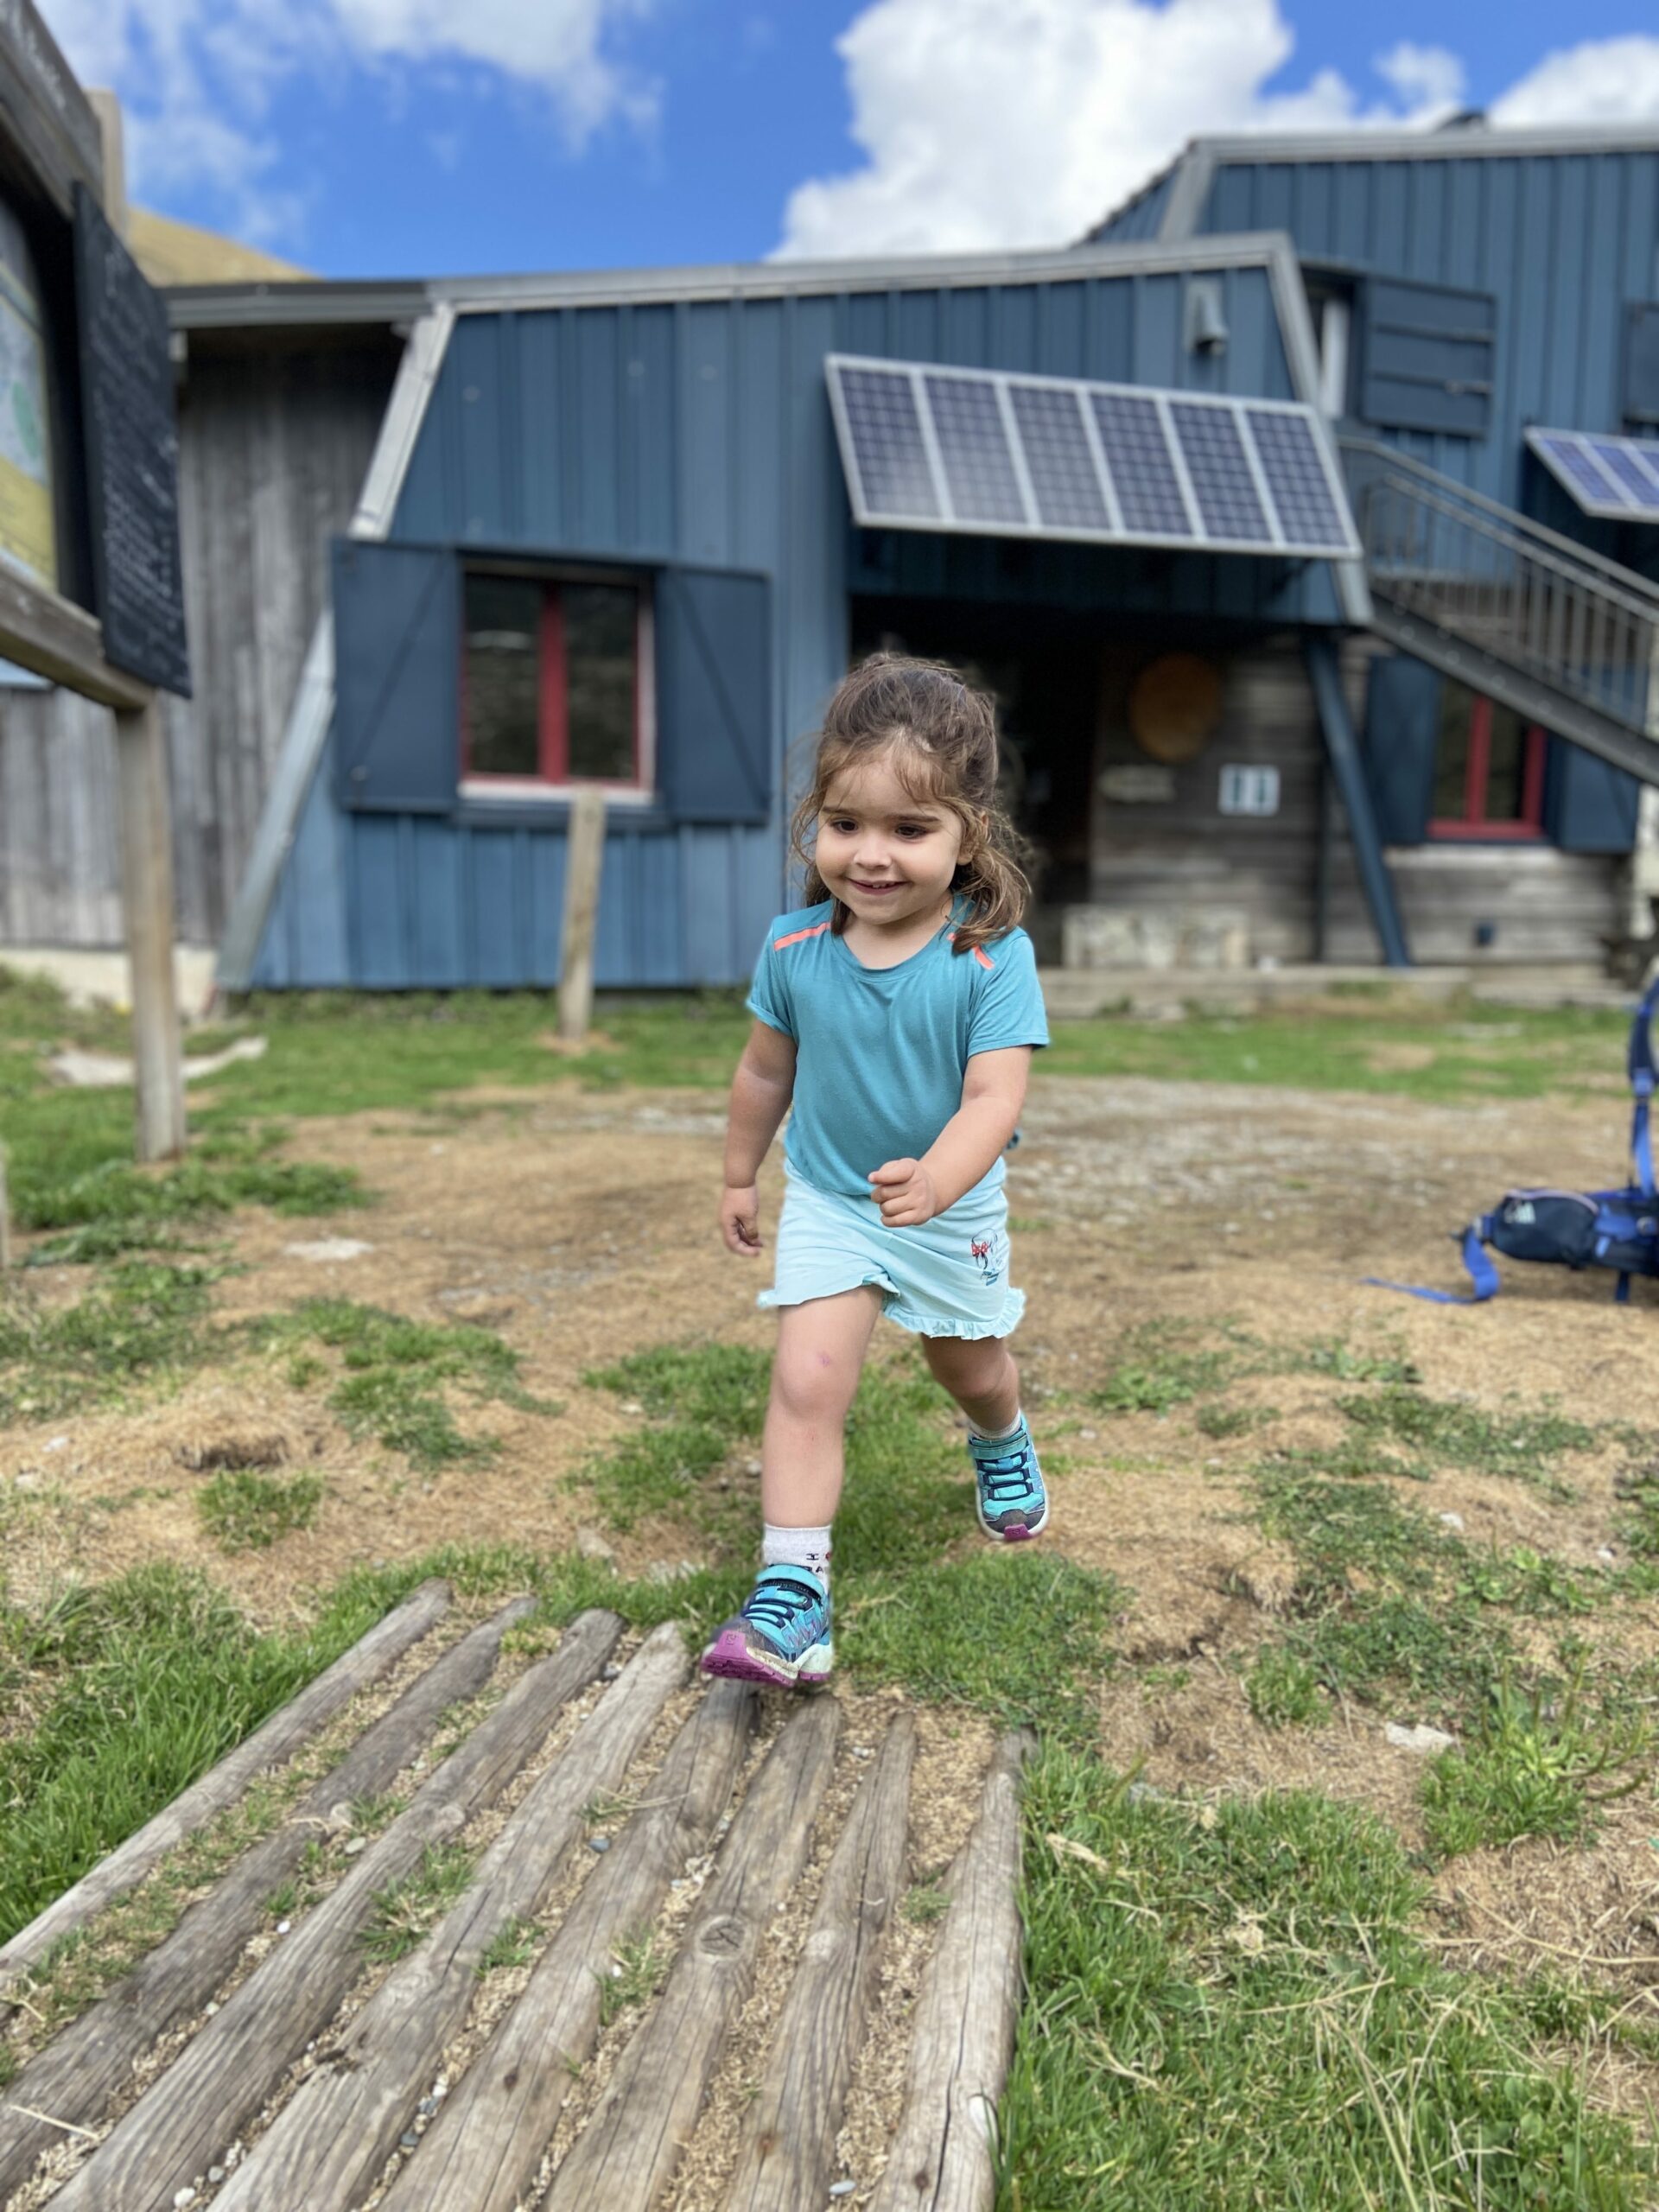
x=193 y=2110
x=941 y=2159
x=344 y=2121
x=76 y=2076
x=789 y=2141
x=628 y=2151
x=481 y=2152
x=374 y=1655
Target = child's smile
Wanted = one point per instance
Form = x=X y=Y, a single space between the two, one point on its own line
x=887 y=854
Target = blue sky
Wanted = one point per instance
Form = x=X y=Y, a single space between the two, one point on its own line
x=375 y=138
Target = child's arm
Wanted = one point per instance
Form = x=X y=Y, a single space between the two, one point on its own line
x=993 y=1092
x=761 y=1091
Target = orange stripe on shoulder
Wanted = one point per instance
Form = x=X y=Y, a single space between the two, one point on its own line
x=980 y=953
x=796 y=937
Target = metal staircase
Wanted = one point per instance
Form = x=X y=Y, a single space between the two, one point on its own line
x=1565 y=638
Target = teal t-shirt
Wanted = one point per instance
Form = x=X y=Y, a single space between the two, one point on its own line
x=880 y=1052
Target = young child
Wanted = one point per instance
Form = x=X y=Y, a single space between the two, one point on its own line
x=897 y=1012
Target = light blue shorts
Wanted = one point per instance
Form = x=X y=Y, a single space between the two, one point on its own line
x=948 y=1277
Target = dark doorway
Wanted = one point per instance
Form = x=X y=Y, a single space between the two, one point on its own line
x=1044 y=669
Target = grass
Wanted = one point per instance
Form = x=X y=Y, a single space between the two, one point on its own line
x=636 y=1976
x=405 y=1912
x=125 y=1693
x=1026 y=1640
x=1229 y=2009
x=142 y=1321
x=244 y=1510
x=1523 y=1445
x=394 y=1372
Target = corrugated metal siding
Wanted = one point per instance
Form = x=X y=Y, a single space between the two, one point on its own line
x=1138 y=218
x=700 y=431
x=1567 y=242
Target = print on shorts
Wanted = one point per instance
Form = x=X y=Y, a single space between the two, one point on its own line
x=981 y=1249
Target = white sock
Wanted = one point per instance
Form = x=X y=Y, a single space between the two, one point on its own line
x=807 y=1548
x=997 y=1435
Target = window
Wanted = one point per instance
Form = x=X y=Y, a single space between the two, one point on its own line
x=1425 y=357
x=555 y=684
x=1489 y=770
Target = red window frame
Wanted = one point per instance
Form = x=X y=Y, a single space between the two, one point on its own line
x=1472 y=823
x=553 y=703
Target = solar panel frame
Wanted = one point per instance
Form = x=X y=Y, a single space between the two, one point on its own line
x=1284 y=540
x=1577 y=460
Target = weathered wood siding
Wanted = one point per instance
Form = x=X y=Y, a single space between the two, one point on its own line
x=273 y=447
x=1181 y=856
x=1540 y=904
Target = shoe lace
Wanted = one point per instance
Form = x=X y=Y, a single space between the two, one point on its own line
x=1008 y=1475
x=778 y=1605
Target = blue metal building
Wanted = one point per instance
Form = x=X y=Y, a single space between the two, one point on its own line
x=659 y=454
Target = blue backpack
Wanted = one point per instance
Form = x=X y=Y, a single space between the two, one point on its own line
x=1574 y=1228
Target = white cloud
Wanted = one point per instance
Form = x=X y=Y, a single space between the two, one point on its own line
x=1014 y=122
x=1605 y=81
x=197 y=78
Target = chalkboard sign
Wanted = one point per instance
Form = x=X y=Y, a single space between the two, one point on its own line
x=132 y=456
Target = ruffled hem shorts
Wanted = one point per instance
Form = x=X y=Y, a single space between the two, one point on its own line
x=948 y=1277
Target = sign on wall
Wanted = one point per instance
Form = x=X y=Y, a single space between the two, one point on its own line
x=1248 y=790
x=28 y=523
x=132 y=456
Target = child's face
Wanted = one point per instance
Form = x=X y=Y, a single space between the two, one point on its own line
x=887 y=854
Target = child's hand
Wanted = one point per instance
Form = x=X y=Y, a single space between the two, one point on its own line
x=739 y=1219
x=905 y=1191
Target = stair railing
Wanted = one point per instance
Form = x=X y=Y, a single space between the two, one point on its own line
x=1523 y=594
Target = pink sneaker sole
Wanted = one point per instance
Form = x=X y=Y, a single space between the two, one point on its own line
x=730 y=1657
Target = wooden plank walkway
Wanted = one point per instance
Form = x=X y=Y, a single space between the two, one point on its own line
x=298 y=2074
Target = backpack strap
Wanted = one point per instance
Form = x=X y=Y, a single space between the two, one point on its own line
x=1482 y=1273
x=1643 y=1074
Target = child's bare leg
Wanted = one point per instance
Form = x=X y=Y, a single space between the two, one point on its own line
x=981 y=1375
x=821 y=1347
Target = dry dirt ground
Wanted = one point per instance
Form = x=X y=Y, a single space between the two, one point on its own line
x=580 y=1225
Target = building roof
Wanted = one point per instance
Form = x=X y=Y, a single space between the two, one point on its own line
x=1463 y=137
x=170 y=253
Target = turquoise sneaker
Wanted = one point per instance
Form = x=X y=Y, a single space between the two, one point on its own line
x=1011 y=1501
x=781 y=1637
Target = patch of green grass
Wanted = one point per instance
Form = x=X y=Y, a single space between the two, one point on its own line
x=116 y=1206
x=405 y=1912
x=515 y=1943
x=1543 y=1761
x=1284 y=1690
x=125 y=1693
x=1221 y=1422
x=1026 y=1640
x=1228 y=2008
x=244 y=1510
x=924 y=1903
x=394 y=1371
x=1528 y=1581
x=1522 y=1446
x=140 y=1321
x=639 y=1967
x=1330 y=1356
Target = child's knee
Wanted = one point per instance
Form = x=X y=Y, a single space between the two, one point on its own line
x=812 y=1383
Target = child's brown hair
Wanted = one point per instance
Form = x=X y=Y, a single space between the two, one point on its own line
x=942 y=733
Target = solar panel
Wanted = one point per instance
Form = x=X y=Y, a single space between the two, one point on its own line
x=1059 y=458
x=1219 y=471
x=1297 y=483
x=1137 y=453
x=974 y=448
x=927 y=447
x=885 y=434
x=1615 y=477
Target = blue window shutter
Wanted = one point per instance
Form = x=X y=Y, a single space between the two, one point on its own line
x=396 y=677
x=1425 y=357
x=714 y=695
x=1589 y=806
x=1402 y=728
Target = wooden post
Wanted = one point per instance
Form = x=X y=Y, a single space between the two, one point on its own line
x=584 y=855
x=147 y=895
